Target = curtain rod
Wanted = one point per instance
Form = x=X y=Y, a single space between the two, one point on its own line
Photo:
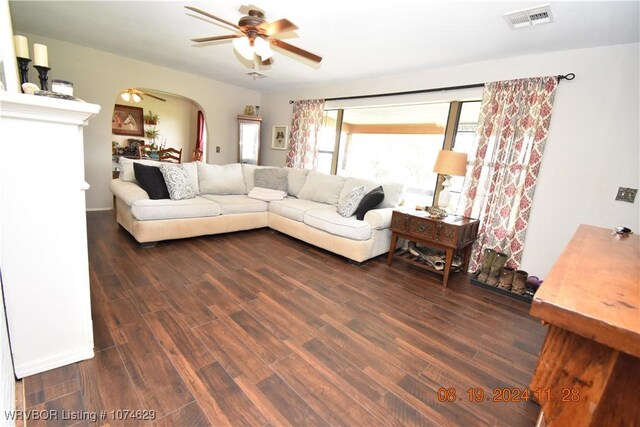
x=569 y=76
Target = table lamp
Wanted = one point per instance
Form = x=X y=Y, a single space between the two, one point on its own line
x=447 y=164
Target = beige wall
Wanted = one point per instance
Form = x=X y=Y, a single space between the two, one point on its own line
x=99 y=76
x=177 y=124
x=592 y=146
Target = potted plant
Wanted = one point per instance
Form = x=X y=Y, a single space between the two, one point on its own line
x=152 y=134
x=151 y=118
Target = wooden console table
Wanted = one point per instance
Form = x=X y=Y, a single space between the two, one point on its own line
x=451 y=234
x=588 y=373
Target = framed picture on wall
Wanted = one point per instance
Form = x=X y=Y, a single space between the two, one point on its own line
x=127 y=120
x=279 y=137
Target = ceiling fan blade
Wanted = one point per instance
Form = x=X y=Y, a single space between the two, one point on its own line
x=296 y=50
x=208 y=15
x=214 y=38
x=153 y=96
x=277 y=27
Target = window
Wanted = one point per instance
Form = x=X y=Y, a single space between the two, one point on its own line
x=396 y=144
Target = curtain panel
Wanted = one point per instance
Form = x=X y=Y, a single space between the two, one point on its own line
x=502 y=175
x=303 y=140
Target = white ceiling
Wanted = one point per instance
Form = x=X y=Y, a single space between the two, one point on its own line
x=356 y=38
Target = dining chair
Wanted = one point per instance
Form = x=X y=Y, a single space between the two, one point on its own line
x=170 y=155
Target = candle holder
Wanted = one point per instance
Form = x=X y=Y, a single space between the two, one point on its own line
x=23 y=66
x=42 y=75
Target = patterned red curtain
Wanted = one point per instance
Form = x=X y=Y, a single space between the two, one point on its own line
x=512 y=131
x=303 y=140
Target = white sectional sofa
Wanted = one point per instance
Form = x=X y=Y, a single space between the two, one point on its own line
x=222 y=205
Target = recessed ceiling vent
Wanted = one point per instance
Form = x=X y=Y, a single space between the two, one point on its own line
x=529 y=17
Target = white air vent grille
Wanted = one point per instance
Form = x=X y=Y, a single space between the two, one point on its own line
x=529 y=17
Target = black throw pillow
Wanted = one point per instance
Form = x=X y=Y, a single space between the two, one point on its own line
x=370 y=200
x=151 y=180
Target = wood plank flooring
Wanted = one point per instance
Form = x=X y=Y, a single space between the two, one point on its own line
x=258 y=329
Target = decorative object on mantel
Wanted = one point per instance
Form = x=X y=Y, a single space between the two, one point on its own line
x=449 y=163
x=62 y=86
x=41 y=63
x=249 y=110
x=22 y=55
x=29 y=88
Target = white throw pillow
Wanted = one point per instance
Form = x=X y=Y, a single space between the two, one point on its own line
x=295 y=180
x=192 y=171
x=221 y=179
x=177 y=180
x=322 y=188
x=126 y=168
x=349 y=204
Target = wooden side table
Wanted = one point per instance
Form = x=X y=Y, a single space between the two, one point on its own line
x=451 y=234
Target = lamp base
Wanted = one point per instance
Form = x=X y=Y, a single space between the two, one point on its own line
x=444 y=196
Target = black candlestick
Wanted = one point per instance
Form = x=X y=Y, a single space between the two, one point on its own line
x=42 y=75
x=23 y=66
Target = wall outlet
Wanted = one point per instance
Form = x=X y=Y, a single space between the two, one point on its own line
x=217 y=149
x=626 y=194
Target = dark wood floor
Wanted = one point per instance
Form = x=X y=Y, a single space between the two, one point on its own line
x=256 y=328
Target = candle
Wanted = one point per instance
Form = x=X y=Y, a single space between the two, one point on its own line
x=22 y=46
x=40 y=57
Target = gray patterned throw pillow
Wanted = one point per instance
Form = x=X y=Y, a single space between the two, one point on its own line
x=351 y=201
x=178 y=182
x=273 y=178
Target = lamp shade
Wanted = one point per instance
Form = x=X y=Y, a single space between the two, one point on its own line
x=242 y=45
x=451 y=163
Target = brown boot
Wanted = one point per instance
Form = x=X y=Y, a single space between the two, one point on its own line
x=506 y=278
x=519 y=280
x=489 y=255
x=496 y=268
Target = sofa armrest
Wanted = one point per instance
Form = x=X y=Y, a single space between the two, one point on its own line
x=379 y=218
x=129 y=192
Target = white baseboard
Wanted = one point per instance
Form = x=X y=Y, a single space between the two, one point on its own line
x=110 y=208
x=35 y=367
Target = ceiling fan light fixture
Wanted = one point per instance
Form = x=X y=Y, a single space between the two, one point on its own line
x=126 y=96
x=136 y=97
x=263 y=48
x=243 y=47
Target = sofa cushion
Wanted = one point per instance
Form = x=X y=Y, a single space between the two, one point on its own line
x=295 y=180
x=192 y=171
x=293 y=208
x=371 y=200
x=323 y=188
x=197 y=207
x=248 y=174
x=350 y=203
x=151 y=180
x=128 y=192
x=126 y=167
x=237 y=203
x=221 y=179
x=177 y=180
x=275 y=179
x=329 y=220
x=392 y=191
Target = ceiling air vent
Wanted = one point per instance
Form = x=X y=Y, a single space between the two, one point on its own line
x=529 y=17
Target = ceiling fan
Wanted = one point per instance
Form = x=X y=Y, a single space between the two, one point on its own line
x=135 y=95
x=256 y=36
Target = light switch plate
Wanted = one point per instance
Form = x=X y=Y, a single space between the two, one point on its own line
x=627 y=194
x=217 y=149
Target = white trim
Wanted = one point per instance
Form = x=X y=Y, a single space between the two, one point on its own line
x=48 y=363
x=109 y=208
